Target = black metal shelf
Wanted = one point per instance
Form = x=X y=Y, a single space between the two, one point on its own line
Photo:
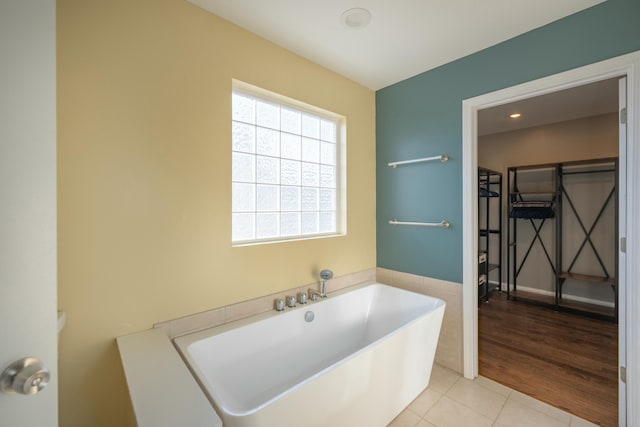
x=489 y=204
x=526 y=193
x=555 y=201
x=605 y=280
x=484 y=232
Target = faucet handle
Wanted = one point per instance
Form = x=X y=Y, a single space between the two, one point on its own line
x=278 y=304
x=302 y=298
x=291 y=301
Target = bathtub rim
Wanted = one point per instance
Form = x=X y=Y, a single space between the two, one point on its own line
x=234 y=324
x=252 y=318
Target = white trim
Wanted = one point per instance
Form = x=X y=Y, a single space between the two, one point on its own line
x=633 y=243
x=566 y=296
x=470 y=242
x=628 y=65
x=622 y=232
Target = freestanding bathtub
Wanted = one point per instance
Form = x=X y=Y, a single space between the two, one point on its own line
x=365 y=355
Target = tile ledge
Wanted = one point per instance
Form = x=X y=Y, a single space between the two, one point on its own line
x=163 y=393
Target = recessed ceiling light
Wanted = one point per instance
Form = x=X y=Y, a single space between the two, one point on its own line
x=515 y=115
x=356 y=18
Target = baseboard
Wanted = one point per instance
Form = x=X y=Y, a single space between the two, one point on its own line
x=565 y=296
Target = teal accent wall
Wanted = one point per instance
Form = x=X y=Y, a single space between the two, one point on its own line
x=422 y=117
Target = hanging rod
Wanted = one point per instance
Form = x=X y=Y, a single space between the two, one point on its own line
x=443 y=223
x=443 y=158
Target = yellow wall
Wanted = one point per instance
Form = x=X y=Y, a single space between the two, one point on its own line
x=144 y=96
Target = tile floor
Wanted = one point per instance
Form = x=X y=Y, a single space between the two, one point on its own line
x=453 y=401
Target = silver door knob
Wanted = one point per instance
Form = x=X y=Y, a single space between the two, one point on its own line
x=25 y=376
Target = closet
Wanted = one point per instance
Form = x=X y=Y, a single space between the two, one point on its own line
x=567 y=213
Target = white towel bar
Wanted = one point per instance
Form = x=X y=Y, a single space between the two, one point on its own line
x=443 y=223
x=443 y=158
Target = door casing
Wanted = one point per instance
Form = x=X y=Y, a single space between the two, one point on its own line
x=629 y=298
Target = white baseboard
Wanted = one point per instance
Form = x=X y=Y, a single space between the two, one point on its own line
x=564 y=296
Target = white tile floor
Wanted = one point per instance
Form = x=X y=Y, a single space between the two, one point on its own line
x=453 y=401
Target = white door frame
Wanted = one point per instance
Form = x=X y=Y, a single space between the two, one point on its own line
x=622 y=231
x=626 y=65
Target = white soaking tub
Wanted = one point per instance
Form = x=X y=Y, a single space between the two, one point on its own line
x=363 y=358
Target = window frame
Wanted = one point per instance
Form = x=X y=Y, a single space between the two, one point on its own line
x=282 y=101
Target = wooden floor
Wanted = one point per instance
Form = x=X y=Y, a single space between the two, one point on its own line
x=566 y=360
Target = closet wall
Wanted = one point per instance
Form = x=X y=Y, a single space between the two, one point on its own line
x=581 y=139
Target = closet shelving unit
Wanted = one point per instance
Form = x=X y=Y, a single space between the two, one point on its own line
x=555 y=206
x=531 y=202
x=566 y=266
x=489 y=232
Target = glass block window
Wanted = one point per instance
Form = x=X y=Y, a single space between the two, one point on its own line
x=286 y=169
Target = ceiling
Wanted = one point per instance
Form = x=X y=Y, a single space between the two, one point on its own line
x=403 y=38
x=569 y=104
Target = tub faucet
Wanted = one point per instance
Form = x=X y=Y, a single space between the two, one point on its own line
x=325 y=275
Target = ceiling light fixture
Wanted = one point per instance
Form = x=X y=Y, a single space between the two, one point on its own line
x=356 y=18
x=515 y=115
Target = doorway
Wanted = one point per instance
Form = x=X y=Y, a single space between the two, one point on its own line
x=629 y=298
x=560 y=348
